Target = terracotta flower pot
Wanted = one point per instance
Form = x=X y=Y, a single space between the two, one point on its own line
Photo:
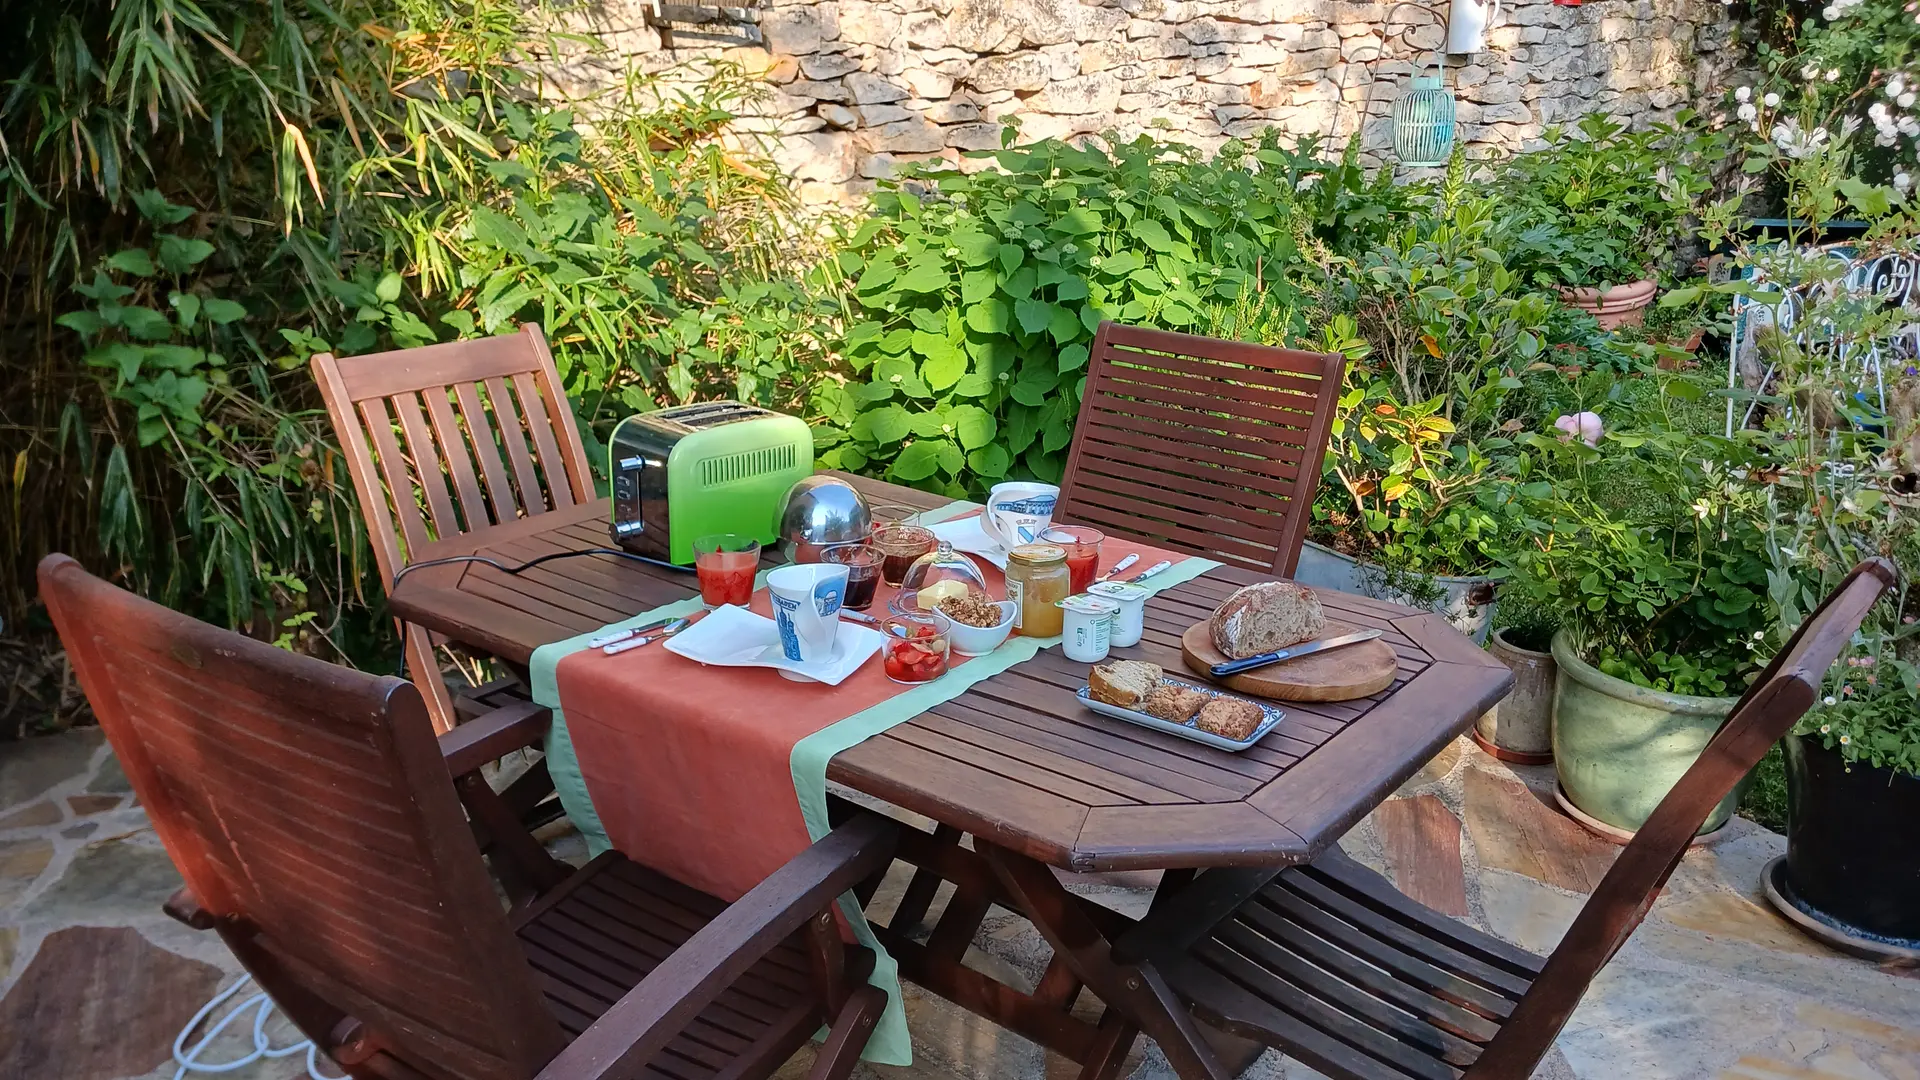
x=1622 y=305
x=1519 y=729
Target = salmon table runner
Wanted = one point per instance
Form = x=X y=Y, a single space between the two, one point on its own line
x=716 y=776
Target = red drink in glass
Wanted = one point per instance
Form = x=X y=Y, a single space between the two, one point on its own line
x=725 y=565
x=863 y=572
x=1083 y=553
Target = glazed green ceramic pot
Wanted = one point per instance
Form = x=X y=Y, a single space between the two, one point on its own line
x=1619 y=748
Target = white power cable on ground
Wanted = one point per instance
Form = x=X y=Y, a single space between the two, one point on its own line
x=189 y=1060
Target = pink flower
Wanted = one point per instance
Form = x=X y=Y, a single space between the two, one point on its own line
x=1586 y=426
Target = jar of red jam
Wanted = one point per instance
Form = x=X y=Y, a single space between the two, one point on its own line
x=917 y=646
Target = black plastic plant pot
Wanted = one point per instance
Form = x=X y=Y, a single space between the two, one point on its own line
x=1853 y=843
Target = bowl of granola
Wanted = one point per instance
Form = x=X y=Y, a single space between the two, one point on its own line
x=980 y=624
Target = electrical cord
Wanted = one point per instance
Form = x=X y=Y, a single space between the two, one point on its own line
x=189 y=1060
x=531 y=563
x=521 y=569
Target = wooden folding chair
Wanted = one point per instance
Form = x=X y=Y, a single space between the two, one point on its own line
x=486 y=419
x=1200 y=445
x=1332 y=965
x=315 y=821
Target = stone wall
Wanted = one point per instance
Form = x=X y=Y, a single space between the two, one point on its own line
x=858 y=86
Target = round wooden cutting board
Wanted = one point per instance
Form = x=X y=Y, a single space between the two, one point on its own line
x=1351 y=671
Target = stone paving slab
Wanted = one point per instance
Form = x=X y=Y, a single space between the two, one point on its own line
x=95 y=981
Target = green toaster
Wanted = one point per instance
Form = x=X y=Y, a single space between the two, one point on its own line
x=691 y=471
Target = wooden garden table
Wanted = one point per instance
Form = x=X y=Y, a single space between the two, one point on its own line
x=1036 y=781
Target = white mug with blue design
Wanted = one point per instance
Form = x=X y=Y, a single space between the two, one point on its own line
x=806 y=607
x=1018 y=512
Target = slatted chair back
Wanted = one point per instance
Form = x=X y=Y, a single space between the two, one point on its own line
x=1768 y=710
x=445 y=439
x=310 y=811
x=1201 y=445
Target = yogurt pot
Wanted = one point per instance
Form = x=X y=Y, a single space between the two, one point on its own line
x=1088 y=630
x=1131 y=600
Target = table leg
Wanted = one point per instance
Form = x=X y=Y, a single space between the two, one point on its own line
x=1137 y=991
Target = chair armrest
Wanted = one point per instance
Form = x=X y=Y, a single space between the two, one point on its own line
x=651 y=1014
x=185 y=907
x=493 y=735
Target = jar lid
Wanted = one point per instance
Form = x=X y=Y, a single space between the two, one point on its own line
x=1090 y=605
x=1038 y=554
x=1119 y=591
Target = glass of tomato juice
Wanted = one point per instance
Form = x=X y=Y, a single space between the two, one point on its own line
x=1083 y=553
x=725 y=564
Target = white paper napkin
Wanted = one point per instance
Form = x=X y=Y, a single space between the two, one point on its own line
x=732 y=636
x=967 y=535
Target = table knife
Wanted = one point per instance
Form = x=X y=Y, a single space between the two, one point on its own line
x=1236 y=667
x=1119 y=566
x=671 y=629
x=632 y=631
x=1149 y=571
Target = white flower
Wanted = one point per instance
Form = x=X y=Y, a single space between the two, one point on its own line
x=1826 y=729
x=1747 y=111
x=1846 y=740
x=1828 y=700
x=1810 y=72
x=1771 y=100
x=1905 y=100
x=1832 y=74
x=1759 y=635
x=1895 y=85
x=1877 y=111
x=1829 y=13
x=1902 y=181
x=1742 y=94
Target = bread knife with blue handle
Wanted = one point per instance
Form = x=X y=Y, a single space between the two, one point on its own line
x=1237 y=667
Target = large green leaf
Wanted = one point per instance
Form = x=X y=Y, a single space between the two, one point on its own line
x=179 y=254
x=1078 y=222
x=989 y=316
x=943 y=370
x=1153 y=234
x=924 y=276
x=918 y=461
x=973 y=425
x=222 y=311
x=132 y=261
x=1023 y=426
x=1064 y=325
x=1034 y=315
x=990 y=461
x=887 y=424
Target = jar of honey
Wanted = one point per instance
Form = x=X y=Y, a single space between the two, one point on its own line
x=1037 y=580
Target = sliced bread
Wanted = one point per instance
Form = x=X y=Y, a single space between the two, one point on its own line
x=1123 y=682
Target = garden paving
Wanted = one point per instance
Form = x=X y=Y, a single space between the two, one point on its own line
x=95 y=981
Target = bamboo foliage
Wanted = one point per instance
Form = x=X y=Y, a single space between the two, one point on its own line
x=322 y=174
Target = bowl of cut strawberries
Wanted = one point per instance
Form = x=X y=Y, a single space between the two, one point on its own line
x=917 y=646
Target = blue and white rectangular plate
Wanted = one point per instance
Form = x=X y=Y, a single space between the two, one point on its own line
x=1186 y=730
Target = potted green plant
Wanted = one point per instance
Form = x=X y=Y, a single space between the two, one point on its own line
x=1520 y=729
x=1418 y=501
x=1851 y=874
x=1660 y=573
x=1596 y=211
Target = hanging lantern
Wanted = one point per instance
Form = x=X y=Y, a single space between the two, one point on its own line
x=1423 y=121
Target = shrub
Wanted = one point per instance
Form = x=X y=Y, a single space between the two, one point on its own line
x=976 y=296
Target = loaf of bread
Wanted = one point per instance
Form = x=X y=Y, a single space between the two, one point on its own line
x=1123 y=682
x=1266 y=616
x=1171 y=701
x=1229 y=718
